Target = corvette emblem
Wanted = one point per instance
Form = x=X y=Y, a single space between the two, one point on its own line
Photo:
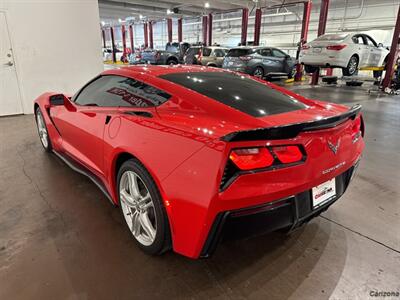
x=333 y=147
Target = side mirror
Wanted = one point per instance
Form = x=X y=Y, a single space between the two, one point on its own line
x=287 y=56
x=56 y=100
x=380 y=45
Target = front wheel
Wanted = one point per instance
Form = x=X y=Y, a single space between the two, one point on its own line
x=142 y=208
x=42 y=131
x=172 y=62
x=352 y=67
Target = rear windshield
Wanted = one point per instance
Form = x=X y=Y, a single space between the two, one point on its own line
x=332 y=37
x=239 y=52
x=239 y=92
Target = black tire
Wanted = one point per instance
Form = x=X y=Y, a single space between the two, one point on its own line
x=172 y=62
x=310 y=69
x=258 y=72
x=352 y=66
x=48 y=147
x=377 y=74
x=162 y=241
x=212 y=65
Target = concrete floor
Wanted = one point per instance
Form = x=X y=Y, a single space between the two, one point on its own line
x=61 y=239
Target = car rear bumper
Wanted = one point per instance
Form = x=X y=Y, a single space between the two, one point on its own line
x=324 y=61
x=291 y=212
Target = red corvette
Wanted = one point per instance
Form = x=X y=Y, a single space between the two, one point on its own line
x=185 y=150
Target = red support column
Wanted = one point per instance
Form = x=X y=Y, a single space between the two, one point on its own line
x=245 y=23
x=103 y=34
x=257 y=27
x=392 y=54
x=131 y=38
x=210 y=20
x=180 y=30
x=323 y=16
x=114 y=56
x=151 y=34
x=303 y=36
x=123 y=35
x=169 y=30
x=204 y=23
x=146 y=36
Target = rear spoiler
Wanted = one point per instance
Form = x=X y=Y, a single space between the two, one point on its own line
x=291 y=130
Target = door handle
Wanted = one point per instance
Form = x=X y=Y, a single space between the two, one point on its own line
x=10 y=63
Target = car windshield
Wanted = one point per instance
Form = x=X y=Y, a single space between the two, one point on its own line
x=240 y=92
x=332 y=37
x=239 y=52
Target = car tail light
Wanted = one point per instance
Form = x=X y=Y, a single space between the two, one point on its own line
x=252 y=158
x=245 y=58
x=288 y=154
x=336 y=47
x=305 y=47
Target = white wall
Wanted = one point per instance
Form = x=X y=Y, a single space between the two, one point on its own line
x=56 y=45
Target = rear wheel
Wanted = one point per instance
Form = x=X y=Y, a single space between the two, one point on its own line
x=258 y=72
x=172 y=62
x=352 y=67
x=142 y=208
x=42 y=131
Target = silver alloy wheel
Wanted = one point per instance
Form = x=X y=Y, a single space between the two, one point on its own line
x=258 y=73
x=42 y=129
x=353 y=65
x=138 y=208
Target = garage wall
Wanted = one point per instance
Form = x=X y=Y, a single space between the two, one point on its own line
x=56 y=45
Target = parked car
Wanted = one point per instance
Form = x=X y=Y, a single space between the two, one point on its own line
x=108 y=55
x=260 y=61
x=183 y=151
x=135 y=57
x=172 y=55
x=343 y=50
x=212 y=56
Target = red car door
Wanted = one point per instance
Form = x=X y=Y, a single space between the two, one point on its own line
x=82 y=129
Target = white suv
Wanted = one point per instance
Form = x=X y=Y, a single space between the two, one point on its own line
x=344 y=50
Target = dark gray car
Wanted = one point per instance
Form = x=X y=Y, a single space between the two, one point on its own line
x=260 y=61
x=172 y=55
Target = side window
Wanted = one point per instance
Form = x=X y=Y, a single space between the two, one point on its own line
x=206 y=51
x=370 y=41
x=278 y=53
x=219 y=53
x=357 y=39
x=118 y=91
x=266 y=52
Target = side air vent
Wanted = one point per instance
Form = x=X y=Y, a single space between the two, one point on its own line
x=144 y=114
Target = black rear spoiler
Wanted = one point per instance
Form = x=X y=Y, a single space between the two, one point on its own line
x=291 y=130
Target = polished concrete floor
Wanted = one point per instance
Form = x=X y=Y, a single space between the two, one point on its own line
x=61 y=239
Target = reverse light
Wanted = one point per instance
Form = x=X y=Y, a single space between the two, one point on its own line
x=336 y=47
x=252 y=158
x=288 y=154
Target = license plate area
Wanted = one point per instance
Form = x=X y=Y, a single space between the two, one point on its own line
x=323 y=193
x=317 y=49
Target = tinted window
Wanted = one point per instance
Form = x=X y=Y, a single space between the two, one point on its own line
x=206 y=51
x=357 y=39
x=278 y=53
x=244 y=94
x=239 y=52
x=266 y=52
x=192 y=51
x=120 y=91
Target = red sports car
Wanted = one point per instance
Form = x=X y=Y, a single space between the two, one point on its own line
x=185 y=150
